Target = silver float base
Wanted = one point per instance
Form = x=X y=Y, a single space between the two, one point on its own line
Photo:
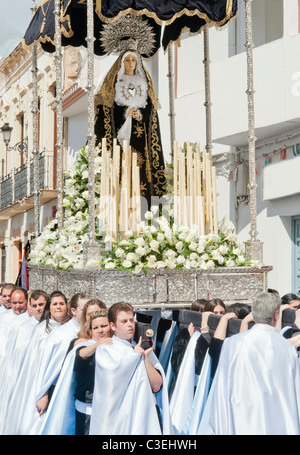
x=156 y=289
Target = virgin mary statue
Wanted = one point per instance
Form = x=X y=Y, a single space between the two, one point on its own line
x=126 y=109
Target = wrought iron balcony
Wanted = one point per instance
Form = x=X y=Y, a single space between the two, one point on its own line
x=20 y=184
x=6 y=192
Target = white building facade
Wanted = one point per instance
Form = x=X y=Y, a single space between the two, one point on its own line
x=277 y=114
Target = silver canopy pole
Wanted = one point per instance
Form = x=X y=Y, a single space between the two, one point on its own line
x=59 y=116
x=253 y=246
x=35 y=151
x=207 y=103
x=91 y=117
x=171 y=98
x=91 y=249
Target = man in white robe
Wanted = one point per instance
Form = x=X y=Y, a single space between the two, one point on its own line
x=6 y=292
x=15 y=357
x=12 y=319
x=257 y=384
x=130 y=393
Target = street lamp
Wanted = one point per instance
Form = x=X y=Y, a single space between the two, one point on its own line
x=6 y=131
x=20 y=146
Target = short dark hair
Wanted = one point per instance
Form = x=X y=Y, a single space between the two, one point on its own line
x=75 y=299
x=287 y=298
x=9 y=286
x=38 y=293
x=199 y=305
x=116 y=308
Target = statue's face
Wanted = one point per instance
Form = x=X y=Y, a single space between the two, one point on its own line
x=130 y=64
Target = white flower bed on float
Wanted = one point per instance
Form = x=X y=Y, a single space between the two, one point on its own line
x=160 y=244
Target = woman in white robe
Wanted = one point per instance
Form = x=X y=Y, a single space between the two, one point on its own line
x=24 y=418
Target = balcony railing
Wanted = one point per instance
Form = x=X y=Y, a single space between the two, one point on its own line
x=6 y=191
x=20 y=184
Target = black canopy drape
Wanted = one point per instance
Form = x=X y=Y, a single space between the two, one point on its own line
x=168 y=19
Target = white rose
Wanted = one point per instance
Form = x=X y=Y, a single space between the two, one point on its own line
x=210 y=264
x=131 y=257
x=223 y=249
x=203 y=265
x=180 y=260
x=200 y=249
x=179 y=246
x=127 y=264
x=194 y=264
x=78 y=216
x=128 y=233
x=151 y=262
x=182 y=236
x=124 y=243
x=230 y=263
x=171 y=264
x=140 y=251
x=119 y=253
x=161 y=264
x=148 y=216
x=139 y=241
x=110 y=265
x=170 y=254
x=193 y=246
x=240 y=259
x=231 y=237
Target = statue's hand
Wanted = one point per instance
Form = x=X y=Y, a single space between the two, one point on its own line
x=135 y=113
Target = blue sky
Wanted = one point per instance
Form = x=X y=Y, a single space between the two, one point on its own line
x=14 y=19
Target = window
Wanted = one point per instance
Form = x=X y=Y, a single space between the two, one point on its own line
x=267 y=24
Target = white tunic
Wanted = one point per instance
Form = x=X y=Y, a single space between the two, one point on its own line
x=55 y=350
x=25 y=419
x=257 y=385
x=123 y=402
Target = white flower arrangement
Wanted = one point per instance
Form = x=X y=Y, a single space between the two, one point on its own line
x=65 y=252
x=160 y=243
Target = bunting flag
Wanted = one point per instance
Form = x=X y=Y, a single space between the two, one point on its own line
x=282 y=154
x=296 y=150
x=267 y=159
